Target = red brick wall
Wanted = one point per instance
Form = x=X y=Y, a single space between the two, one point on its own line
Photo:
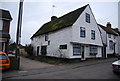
x=6 y=26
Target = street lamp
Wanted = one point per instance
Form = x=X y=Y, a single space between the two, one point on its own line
x=18 y=35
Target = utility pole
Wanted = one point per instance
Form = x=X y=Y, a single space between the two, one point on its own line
x=18 y=35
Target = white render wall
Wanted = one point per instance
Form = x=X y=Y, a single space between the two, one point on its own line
x=88 y=26
x=60 y=37
x=108 y=51
x=103 y=35
x=70 y=35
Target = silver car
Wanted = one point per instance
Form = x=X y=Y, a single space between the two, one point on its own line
x=116 y=66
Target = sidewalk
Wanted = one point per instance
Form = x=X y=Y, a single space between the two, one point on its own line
x=56 y=68
x=27 y=64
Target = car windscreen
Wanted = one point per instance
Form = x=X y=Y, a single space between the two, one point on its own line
x=3 y=57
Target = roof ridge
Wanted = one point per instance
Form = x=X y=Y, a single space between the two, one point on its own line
x=108 y=29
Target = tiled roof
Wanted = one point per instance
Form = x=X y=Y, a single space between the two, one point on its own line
x=116 y=29
x=108 y=30
x=4 y=14
x=61 y=22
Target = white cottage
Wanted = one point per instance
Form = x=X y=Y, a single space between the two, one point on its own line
x=110 y=40
x=74 y=35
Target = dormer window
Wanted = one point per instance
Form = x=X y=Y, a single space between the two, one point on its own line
x=87 y=18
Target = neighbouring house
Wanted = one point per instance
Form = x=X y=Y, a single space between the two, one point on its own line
x=110 y=40
x=5 y=19
x=118 y=31
x=73 y=35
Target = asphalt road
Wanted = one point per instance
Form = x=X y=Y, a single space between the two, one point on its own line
x=95 y=71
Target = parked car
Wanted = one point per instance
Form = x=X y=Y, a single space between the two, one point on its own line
x=11 y=53
x=4 y=61
x=116 y=66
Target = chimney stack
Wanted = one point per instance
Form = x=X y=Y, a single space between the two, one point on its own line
x=108 y=24
x=53 y=18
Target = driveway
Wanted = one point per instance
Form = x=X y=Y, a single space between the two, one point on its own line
x=26 y=64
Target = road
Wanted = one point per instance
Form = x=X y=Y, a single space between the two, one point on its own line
x=101 y=70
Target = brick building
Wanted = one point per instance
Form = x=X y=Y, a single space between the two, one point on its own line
x=5 y=19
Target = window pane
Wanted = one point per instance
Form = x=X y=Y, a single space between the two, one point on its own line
x=76 y=49
x=63 y=47
x=92 y=34
x=93 y=49
x=87 y=17
x=82 y=32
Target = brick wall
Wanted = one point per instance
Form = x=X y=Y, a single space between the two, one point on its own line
x=6 y=26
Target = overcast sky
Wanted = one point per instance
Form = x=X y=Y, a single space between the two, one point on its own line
x=36 y=13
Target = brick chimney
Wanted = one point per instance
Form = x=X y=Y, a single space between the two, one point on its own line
x=108 y=24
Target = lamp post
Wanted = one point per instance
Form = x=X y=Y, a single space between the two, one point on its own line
x=18 y=35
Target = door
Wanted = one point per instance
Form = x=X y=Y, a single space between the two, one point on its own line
x=104 y=52
x=114 y=48
x=82 y=52
x=43 y=50
x=38 y=51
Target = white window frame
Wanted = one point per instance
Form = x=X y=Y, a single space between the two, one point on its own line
x=1 y=24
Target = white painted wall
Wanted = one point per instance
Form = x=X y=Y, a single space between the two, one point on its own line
x=88 y=26
x=57 y=38
x=108 y=51
x=68 y=36
x=103 y=35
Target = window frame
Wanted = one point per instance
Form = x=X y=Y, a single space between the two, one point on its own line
x=93 y=34
x=109 y=35
x=1 y=24
x=76 y=49
x=63 y=46
x=93 y=50
x=111 y=45
x=87 y=17
x=46 y=37
x=82 y=32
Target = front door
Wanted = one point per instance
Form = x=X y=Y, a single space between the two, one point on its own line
x=82 y=52
x=38 y=51
x=43 y=50
x=104 y=52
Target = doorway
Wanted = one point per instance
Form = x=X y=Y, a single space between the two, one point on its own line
x=82 y=53
x=43 y=50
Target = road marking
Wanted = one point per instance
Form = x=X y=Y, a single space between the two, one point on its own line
x=22 y=71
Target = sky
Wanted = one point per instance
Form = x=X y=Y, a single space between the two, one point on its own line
x=38 y=12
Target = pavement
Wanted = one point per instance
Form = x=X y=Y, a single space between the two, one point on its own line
x=27 y=64
x=27 y=72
